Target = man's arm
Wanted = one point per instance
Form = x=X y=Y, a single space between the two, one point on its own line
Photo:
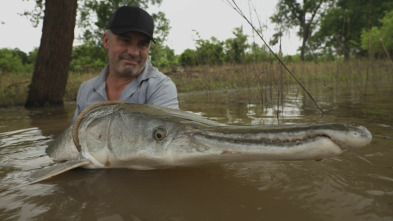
x=77 y=109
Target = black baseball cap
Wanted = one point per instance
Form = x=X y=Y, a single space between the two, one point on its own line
x=131 y=18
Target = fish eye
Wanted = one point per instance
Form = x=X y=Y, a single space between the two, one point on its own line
x=159 y=134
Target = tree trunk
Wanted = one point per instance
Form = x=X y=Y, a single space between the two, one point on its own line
x=54 y=55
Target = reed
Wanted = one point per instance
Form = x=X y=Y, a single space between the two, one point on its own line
x=13 y=89
x=264 y=81
x=271 y=74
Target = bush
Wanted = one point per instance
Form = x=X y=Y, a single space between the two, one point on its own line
x=163 y=57
x=88 y=58
x=14 y=61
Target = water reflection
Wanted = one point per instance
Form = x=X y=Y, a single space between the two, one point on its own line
x=44 y=118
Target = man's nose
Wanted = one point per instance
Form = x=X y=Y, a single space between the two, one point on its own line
x=133 y=49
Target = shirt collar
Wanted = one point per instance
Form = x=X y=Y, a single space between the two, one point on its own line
x=145 y=73
x=100 y=82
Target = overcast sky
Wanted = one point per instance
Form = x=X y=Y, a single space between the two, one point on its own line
x=207 y=17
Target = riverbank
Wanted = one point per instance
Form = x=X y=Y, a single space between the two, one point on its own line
x=269 y=78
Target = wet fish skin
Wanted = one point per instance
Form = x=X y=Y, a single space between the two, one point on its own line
x=125 y=136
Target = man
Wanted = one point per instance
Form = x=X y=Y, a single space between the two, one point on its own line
x=128 y=76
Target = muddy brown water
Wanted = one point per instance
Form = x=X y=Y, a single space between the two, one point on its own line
x=353 y=186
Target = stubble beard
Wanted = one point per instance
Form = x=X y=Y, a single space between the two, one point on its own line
x=130 y=70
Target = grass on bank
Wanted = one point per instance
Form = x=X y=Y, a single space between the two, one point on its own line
x=268 y=78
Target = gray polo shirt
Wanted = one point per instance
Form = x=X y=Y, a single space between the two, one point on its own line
x=150 y=87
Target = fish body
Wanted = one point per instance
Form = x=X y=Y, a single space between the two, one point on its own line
x=140 y=136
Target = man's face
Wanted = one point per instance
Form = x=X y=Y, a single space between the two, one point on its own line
x=127 y=53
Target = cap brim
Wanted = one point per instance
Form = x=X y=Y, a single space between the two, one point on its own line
x=118 y=31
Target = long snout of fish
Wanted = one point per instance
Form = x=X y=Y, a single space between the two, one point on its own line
x=270 y=143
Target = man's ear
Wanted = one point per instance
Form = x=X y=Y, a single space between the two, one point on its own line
x=105 y=40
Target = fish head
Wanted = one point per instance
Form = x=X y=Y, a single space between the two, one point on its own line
x=134 y=138
x=346 y=136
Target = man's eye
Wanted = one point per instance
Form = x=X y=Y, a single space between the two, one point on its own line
x=144 y=43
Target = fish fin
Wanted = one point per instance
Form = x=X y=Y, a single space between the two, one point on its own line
x=51 y=171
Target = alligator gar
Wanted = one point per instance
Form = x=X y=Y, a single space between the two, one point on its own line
x=140 y=136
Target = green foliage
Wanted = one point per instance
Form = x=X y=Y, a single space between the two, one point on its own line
x=162 y=57
x=88 y=58
x=291 y=59
x=379 y=39
x=257 y=54
x=188 y=58
x=233 y=50
x=210 y=51
x=371 y=40
x=37 y=14
x=236 y=47
x=32 y=57
x=16 y=61
x=341 y=27
x=161 y=29
x=13 y=89
x=305 y=16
